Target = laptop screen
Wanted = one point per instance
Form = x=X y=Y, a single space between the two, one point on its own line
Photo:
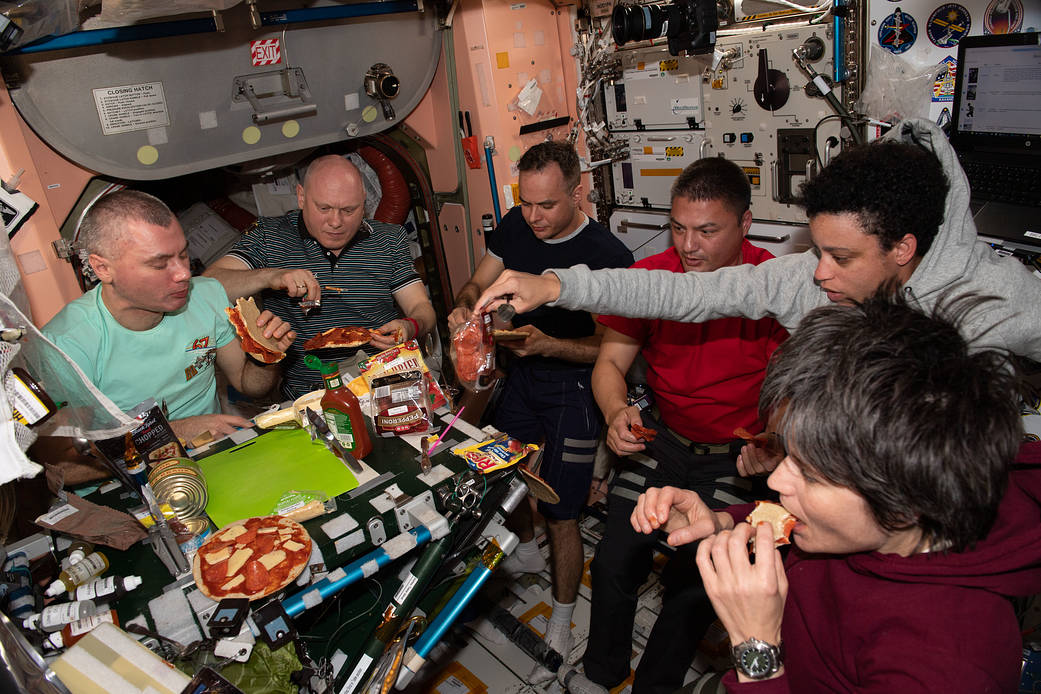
x=998 y=90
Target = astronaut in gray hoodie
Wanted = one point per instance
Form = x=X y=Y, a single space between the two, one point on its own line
x=869 y=227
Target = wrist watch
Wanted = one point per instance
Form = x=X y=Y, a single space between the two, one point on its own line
x=757 y=659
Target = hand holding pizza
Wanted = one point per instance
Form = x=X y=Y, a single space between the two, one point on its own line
x=748 y=598
x=534 y=343
x=393 y=333
x=276 y=329
x=620 y=438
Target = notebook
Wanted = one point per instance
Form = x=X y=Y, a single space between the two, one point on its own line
x=996 y=131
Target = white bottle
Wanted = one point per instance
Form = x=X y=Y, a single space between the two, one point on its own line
x=107 y=589
x=78 y=574
x=55 y=617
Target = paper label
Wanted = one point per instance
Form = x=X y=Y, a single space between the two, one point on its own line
x=406 y=587
x=131 y=107
x=53 y=517
x=356 y=675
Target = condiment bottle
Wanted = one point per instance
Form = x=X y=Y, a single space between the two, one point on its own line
x=55 y=617
x=107 y=589
x=341 y=409
x=30 y=404
x=92 y=565
x=133 y=461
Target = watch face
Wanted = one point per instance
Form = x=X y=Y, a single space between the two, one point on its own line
x=756 y=660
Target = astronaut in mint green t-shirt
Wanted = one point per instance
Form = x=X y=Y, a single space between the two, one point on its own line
x=149 y=329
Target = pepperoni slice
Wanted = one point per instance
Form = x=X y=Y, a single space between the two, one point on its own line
x=643 y=433
x=214 y=574
x=246 y=538
x=256 y=576
x=264 y=543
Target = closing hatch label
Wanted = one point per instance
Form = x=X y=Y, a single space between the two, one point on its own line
x=131 y=107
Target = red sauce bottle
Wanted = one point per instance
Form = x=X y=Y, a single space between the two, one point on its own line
x=341 y=409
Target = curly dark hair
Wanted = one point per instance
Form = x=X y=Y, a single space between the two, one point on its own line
x=562 y=154
x=894 y=188
x=715 y=178
x=894 y=405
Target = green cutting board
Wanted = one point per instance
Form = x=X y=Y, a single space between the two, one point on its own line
x=249 y=479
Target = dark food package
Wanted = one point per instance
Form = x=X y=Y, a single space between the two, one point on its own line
x=154 y=438
x=399 y=404
x=473 y=352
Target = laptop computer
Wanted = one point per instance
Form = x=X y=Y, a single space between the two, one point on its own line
x=996 y=131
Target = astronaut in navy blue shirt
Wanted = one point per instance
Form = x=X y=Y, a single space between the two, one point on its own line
x=548 y=397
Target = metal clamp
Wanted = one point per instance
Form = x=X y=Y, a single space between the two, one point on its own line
x=272 y=95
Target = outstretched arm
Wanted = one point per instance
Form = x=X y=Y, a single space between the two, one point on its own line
x=240 y=280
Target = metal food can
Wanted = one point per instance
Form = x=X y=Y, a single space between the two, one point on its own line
x=156 y=469
x=183 y=487
x=198 y=530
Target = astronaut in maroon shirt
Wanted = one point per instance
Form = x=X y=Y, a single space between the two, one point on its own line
x=915 y=525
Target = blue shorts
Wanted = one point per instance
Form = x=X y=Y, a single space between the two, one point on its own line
x=555 y=406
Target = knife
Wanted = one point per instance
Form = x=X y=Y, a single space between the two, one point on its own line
x=331 y=442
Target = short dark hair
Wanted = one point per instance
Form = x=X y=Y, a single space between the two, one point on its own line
x=102 y=226
x=715 y=178
x=562 y=154
x=894 y=188
x=892 y=404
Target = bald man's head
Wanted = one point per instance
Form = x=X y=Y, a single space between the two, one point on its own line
x=332 y=201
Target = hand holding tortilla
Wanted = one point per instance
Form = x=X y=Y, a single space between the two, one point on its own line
x=248 y=322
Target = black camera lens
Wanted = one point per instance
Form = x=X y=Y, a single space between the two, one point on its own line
x=389 y=85
x=638 y=23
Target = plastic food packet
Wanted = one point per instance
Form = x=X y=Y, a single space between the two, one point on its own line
x=399 y=404
x=403 y=357
x=301 y=505
x=473 y=353
x=153 y=437
x=494 y=454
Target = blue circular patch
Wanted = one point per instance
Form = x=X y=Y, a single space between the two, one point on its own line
x=947 y=24
x=897 y=32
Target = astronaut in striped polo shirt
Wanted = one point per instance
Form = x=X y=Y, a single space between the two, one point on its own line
x=329 y=243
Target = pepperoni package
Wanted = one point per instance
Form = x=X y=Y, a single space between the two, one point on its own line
x=397 y=359
x=399 y=404
x=473 y=352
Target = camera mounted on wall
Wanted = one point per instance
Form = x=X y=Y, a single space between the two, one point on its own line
x=689 y=25
x=382 y=85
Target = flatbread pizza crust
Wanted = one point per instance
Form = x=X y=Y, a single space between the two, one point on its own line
x=251 y=558
x=506 y=335
x=253 y=341
x=348 y=336
x=780 y=520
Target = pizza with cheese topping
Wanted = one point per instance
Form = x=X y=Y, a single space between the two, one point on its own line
x=251 y=558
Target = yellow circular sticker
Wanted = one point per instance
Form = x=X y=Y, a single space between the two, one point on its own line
x=514 y=154
x=148 y=155
x=291 y=128
x=368 y=114
x=251 y=135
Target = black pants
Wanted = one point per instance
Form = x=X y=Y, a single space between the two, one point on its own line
x=623 y=562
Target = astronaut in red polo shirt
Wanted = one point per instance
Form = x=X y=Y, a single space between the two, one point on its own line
x=705 y=380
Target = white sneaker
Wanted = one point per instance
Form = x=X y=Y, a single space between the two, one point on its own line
x=515 y=566
x=559 y=640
